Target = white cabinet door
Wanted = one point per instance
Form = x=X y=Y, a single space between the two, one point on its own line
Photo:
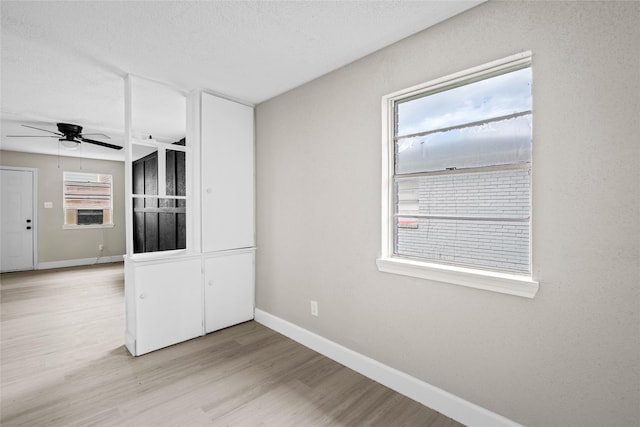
x=227 y=174
x=168 y=304
x=229 y=290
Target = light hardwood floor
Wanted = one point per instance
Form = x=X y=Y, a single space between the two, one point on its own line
x=64 y=364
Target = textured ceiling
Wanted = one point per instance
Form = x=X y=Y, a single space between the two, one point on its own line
x=64 y=61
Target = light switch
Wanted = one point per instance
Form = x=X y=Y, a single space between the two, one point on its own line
x=48 y=205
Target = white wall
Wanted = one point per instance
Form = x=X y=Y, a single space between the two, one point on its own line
x=569 y=357
x=56 y=245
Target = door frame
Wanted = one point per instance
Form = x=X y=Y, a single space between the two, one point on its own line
x=34 y=207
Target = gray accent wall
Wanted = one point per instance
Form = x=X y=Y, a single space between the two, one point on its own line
x=568 y=357
x=56 y=244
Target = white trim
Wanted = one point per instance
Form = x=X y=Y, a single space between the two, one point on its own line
x=156 y=144
x=387 y=172
x=435 y=398
x=512 y=284
x=79 y=262
x=228 y=252
x=86 y=226
x=498 y=66
x=227 y=97
x=162 y=257
x=128 y=164
x=193 y=167
x=157 y=196
x=161 y=156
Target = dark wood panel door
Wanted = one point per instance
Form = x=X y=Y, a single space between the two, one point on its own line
x=159 y=224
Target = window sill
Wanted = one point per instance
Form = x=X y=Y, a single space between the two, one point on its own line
x=83 y=227
x=511 y=284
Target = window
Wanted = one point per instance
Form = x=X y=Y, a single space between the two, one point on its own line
x=87 y=199
x=457 y=155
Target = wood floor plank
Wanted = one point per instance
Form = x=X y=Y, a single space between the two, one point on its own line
x=63 y=363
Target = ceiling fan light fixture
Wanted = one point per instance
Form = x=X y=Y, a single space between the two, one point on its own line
x=68 y=143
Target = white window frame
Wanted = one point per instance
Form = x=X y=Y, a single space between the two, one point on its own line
x=77 y=226
x=497 y=281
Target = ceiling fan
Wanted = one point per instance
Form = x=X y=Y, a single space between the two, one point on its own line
x=69 y=135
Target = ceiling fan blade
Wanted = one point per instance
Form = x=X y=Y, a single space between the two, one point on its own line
x=32 y=136
x=103 y=144
x=44 y=130
x=98 y=134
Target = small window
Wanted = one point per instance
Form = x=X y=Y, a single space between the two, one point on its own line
x=457 y=178
x=88 y=200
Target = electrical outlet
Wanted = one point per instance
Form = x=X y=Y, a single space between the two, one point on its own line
x=314 y=308
x=101 y=247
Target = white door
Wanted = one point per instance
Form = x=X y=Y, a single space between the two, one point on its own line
x=227 y=175
x=17 y=220
x=229 y=290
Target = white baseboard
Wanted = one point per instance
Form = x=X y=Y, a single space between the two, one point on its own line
x=78 y=262
x=435 y=398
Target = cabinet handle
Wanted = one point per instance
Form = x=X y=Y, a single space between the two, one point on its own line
x=142 y=296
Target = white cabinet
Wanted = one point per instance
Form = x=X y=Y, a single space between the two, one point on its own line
x=164 y=302
x=229 y=289
x=227 y=169
x=178 y=295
